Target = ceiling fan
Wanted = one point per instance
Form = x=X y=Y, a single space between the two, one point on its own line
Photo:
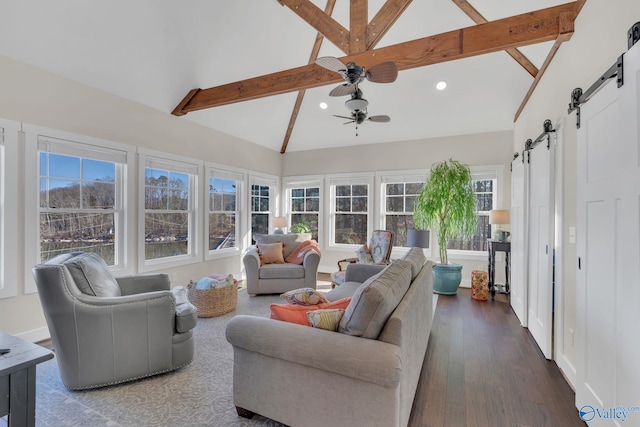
x=353 y=74
x=358 y=106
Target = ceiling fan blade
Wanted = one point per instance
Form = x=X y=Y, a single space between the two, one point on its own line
x=343 y=117
x=331 y=63
x=342 y=90
x=384 y=72
x=380 y=119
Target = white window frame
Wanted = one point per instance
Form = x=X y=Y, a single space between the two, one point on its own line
x=397 y=177
x=349 y=179
x=79 y=146
x=480 y=173
x=293 y=182
x=221 y=171
x=9 y=140
x=194 y=167
x=263 y=180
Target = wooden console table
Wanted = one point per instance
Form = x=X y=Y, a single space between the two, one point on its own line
x=496 y=246
x=18 y=379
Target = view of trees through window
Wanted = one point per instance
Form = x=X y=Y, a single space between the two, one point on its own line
x=77 y=206
x=260 y=209
x=399 y=201
x=305 y=208
x=484 y=203
x=351 y=216
x=166 y=213
x=222 y=213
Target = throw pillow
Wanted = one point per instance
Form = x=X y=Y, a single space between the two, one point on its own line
x=270 y=253
x=328 y=319
x=298 y=313
x=303 y=296
x=375 y=300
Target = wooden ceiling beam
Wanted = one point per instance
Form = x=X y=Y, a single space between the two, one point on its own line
x=477 y=17
x=321 y=21
x=384 y=19
x=312 y=58
x=520 y=30
x=358 y=19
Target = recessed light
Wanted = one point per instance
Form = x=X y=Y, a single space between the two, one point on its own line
x=441 y=85
x=323 y=105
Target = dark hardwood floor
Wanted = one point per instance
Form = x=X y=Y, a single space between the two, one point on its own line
x=483 y=369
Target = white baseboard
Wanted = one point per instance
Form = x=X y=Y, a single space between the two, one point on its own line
x=36 y=335
x=567 y=369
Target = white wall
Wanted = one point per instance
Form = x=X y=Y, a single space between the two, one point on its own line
x=493 y=148
x=599 y=38
x=29 y=95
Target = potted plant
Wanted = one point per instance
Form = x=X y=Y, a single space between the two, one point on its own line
x=446 y=204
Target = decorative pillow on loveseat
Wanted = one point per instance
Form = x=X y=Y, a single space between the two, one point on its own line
x=326 y=318
x=303 y=296
x=374 y=301
x=298 y=313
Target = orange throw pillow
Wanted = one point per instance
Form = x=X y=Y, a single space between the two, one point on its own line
x=270 y=253
x=298 y=313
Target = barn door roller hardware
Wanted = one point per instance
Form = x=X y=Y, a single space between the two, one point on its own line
x=578 y=97
x=547 y=127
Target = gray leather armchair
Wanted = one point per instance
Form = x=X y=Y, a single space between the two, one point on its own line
x=108 y=330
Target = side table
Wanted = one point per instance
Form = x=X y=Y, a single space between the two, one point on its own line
x=496 y=246
x=18 y=379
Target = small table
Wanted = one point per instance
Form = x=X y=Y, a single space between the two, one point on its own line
x=496 y=246
x=18 y=379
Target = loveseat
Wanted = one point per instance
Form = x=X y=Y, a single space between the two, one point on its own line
x=366 y=375
x=282 y=276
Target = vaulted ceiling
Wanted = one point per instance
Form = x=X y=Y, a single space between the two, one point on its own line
x=245 y=67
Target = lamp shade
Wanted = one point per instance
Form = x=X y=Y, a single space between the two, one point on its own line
x=279 y=222
x=499 y=216
x=418 y=238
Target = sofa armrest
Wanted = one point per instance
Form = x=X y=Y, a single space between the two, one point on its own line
x=143 y=283
x=317 y=348
x=362 y=272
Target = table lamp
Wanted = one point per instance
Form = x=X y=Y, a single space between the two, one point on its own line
x=499 y=217
x=279 y=222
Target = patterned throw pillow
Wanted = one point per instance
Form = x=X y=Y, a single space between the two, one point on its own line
x=270 y=253
x=303 y=296
x=328 y=319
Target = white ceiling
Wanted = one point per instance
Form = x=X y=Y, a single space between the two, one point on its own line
x=154 y=51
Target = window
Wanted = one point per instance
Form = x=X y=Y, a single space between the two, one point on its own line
x=80 y=205
x=224 y=192
x=169 y=210
x=263 y=200
x=350 y=210
x=398 y=198
x=304 y=204
x=485 y=185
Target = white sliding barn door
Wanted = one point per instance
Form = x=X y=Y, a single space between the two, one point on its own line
x=519 y=198
x=540 y=219
x=608 y=279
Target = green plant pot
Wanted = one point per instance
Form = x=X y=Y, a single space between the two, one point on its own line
x=447 y=278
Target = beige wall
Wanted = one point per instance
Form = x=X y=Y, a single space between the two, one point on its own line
x=599 y=38
x=475 y=150
x=35 y=97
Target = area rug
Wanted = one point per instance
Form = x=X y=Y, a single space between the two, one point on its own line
x=200 y=394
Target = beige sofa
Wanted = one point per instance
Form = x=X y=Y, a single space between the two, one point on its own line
x=303 y=376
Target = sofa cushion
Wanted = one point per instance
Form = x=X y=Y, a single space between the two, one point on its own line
x=417 y=259
x=289 y=241
x=298 y=313
x=303 y=296
x=375 y=300
x=270 y=253
x=347 y=289
x=281 y=271
x=92 y=276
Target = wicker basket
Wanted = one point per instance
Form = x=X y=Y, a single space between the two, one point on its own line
x=213 y=302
